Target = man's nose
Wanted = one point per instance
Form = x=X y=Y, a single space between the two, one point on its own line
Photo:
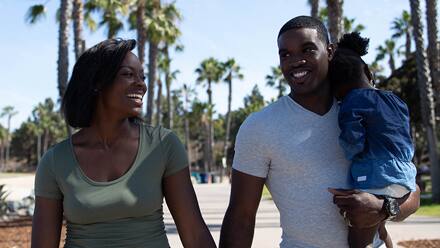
x=298 y=62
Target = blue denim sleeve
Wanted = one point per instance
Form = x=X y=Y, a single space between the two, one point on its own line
x=352 y=137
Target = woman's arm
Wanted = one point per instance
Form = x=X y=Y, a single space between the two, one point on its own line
x=366 y=210
x=46 y=223
x=182 y=202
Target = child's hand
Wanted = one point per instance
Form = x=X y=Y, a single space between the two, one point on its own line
x=361 y=209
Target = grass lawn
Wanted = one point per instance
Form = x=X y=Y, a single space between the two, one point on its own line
x=427 y=208
x=266 y=194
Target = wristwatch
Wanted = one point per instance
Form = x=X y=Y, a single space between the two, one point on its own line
x=391 y=207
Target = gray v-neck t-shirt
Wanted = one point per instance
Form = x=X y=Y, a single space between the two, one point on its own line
x=297 y=151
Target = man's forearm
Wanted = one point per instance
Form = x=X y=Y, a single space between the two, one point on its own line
x=236 y=231
x=408 y=205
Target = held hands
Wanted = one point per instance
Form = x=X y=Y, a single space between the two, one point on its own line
x=360 y=209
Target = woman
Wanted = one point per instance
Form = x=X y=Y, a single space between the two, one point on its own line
x=109 y=178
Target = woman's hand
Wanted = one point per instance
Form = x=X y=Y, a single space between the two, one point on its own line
x=182 y=203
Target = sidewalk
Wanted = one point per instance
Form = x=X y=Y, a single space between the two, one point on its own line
x=213 y=200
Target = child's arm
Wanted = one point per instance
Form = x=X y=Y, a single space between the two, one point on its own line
x=352 y=137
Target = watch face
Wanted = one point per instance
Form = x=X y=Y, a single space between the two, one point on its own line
x=393 y=207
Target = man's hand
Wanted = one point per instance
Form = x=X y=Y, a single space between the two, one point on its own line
x=361 y=209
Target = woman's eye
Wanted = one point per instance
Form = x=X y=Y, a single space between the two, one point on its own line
x=143 y=77
x=309 y=50
x=127 y=74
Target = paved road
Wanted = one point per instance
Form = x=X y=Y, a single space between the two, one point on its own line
x=213 y=200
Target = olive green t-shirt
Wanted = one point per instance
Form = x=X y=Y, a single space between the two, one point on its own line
x=125 y=212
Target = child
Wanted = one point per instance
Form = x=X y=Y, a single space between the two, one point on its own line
x=375 y=133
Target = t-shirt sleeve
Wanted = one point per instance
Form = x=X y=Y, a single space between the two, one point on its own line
x=46 y=184
x=175 y=154
x=251 y=155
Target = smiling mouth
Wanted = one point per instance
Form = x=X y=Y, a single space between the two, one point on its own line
x=298 y=77
x=137 y=98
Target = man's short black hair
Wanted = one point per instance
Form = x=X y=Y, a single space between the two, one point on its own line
x=306 y=22
x=94 y=71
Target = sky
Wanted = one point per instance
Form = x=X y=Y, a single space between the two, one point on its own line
x=245 y=30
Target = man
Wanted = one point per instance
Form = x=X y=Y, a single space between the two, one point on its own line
x=292 y=147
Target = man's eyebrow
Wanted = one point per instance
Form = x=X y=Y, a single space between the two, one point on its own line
x=309 y=43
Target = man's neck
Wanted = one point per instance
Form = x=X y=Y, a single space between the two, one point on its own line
x=317 y=103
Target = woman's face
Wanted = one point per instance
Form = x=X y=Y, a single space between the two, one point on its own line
x=125 y=96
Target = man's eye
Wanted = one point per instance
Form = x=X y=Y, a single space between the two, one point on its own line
x=309 y=49
x=143 y=77
x=284 y=55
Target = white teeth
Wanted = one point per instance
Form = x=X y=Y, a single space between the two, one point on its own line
x=299 y=74
x=136 y=96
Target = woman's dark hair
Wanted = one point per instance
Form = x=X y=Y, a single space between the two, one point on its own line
x=347 y=65
x=94 y=71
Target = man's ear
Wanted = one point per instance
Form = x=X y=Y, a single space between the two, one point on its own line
x=331 y=51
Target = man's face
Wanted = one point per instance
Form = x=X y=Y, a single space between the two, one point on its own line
x=304 y=60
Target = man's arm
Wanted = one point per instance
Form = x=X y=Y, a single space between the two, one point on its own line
x=365 y=210
x=239 y=222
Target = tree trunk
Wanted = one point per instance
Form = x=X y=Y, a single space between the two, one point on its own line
x=2 y=155
x=392 y=63
x=314 y=8
x=433 y=53
x=141 y=30
x=426 y=98
x=8 y=140
x=186 y=121
x=38 y=148
x=152 y=65
x=228 y=117
x=159 y=103
x=408 y=45
x=78 y=20
x=63 y=52
x=45 y=141
x=63 y=48
x=334 y=19
x=168 y=89
x=210 y=128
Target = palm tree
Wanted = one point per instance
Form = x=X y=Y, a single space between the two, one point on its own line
x=335 y=25
x=210 y=71
x=141 y=29
x=187 y=92
x=154 y=31
x=36 y=13
x=110 y=12
x=172 y=33
x=78 y=20
x=276 y=80
x=314 y=5
x=63 y=48
x=3 y=135
x=232 y=70
x=433 y=51
x=349 y=26
x=426 y=98
x=402 y=27
x=9 y=112
x=387 y=50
